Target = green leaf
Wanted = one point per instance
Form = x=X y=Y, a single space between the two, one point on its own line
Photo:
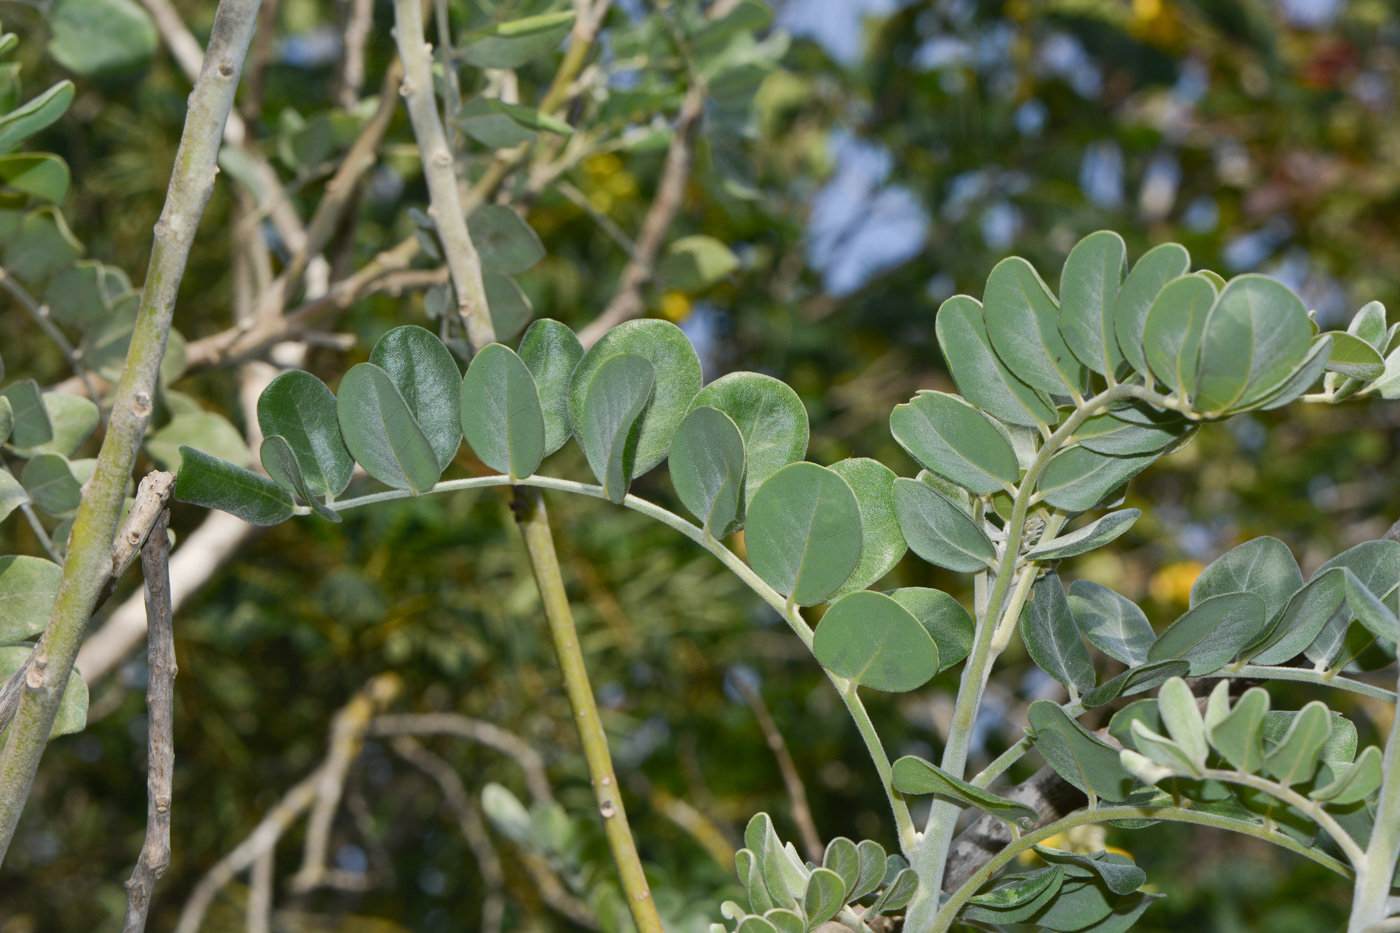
x=1077 y=479
x=1182 y=718
x=507 y=244
x=1089 y=285
x=101 y=37
x=770 y=417
x=513 y=43
x=913 y=775
x=707 y=469
x=842 y=857
x=872 y=868
x=1172 y=332
x=1387 y=384
x=677 y=382
x=1376 y=565
x=803 y=533
x=510 y=307
x=1052 y=640
x=752 y=924
x=1304 y=377
x=1302 y=619
x=1152 y=272
x=30 y=425
x=1164 y=752
x=1134 y=680
x=73 y=706
x=1294 y=759
x=298 y=407
x=1117 y=873
x=530 y=118
x=949 y=437
x=1122 y=432
x=1369 y=324
x=1255 y=335
x=43 y=245
x=12 y=494
x=217 y=484
x=28 y=588
x=898 y=892
x=280 y=462
x=1238 y=733
x=426 y=375
x=381 y=433
x=826 y=895
x=22 y=123
x=938 y=531
x=1212 y=632
x=204 y=430
x=1015 y=898
x=500 y=412
x=882 y=543
x=785 y=921
x=1076 y=755
x=875 y=642
x=72 y=418
x=1355 y=783
x=489 y=123
x=1086 y=906
x=1023 y=320
x=551 y=352
x=1262 y=566
x=694 y=263
x=1353 y=357
x=981 y=376
x=50 y=484
x=609 y=420
x=1111 y=622
x=39 y=174
x=7 y=414
x=943 y=617
x=1085 y=539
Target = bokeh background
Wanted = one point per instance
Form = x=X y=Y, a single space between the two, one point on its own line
x=877 y=157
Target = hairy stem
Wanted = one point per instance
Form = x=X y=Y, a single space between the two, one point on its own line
x=1304 y=675
x=534 y=525
x=90 y=543
x=1371 y=899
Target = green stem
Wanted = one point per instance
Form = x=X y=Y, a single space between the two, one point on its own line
x=534 y=526
x=1371 y=898
x=930 y=856
x=904 y=822
x=1306 y=676
x=89 y=560
x=1312 y=808
x=946 y=915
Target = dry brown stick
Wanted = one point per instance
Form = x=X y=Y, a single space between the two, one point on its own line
x=488 y=734
x=359 y=711
x=797 y=792
x=473 y=828
x=670 y=192
x=160 y=705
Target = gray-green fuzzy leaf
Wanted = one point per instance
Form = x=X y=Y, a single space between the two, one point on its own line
x=28 y=588
x=949 y=437
x=1294 y=759
x=913 y=775
x=217 y=484
x=1077 y=756
x=1212 y=632
x=1255 y=335
x=551 y=352
x=299 y=407
x=49 y=482
x=873 y=641
x=770 y=417
x=1023 y=320
x=1113 y=623
x=1051 y=638
x=609 y=419
x=981 y=376
x=938 y=531
x=803 y=533
x=1077 y=479
x=1303 y=618
x=1262 y=566
x=1172 y=333
x=1089 y=285
x=949 y=625
x=882 y=543
x=1085 y=539
x=281 y=465
x=707 y=469
x=1150 y=274
x=29 y=417
x=426 y=375
x=1356 y=781
x=1238 y=734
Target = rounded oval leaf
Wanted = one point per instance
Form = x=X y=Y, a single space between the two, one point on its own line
x=913 y=775
x=1153 y=270
x=500 y=412
x=677 y=381
x=608 y=421
x=551 y=352
x=426 y=375
x=218 y=484
x=507 y=244
x=1262 y=566
x=803 y=532
x=1172 y=333
x=1111 y=622
x=1085 y=539
x=770 y=417
x=949 y=437
x=981 y=376
x=873 y=641
x=28 y=588
x=1023 y=320
x=882 y=543
x=1077 y=479
x=943 y=617
x=281 y=465
x=939 y=531
x=1211 y=633
x=1089 y=285
x=299 y=407
x=707 y=469
x=1051 y=637
x=1255 y=335
x=381 y=433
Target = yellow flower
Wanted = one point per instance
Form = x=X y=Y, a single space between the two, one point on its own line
x=1172 y=584
x=675 y=306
